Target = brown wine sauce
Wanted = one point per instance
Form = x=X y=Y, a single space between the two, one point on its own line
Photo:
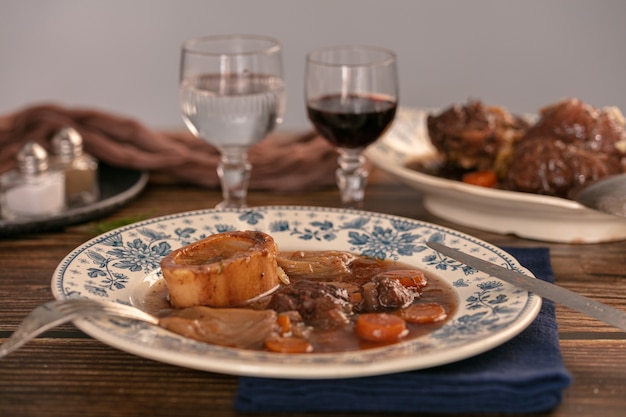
x=326 y=339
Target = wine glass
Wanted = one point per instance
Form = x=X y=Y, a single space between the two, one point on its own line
x=351 y=95
x=232 y=95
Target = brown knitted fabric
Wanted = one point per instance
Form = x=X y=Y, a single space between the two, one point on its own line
x=280 y=163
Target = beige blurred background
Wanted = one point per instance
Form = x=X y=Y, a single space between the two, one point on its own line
x=122 y=55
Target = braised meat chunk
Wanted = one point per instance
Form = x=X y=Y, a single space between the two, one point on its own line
x=332 y=303
x=474 y=136
x=385 y=292
x=542 y=165
x=570 y=145
x=319 y=303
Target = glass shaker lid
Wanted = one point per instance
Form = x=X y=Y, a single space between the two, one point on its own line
x=67 y=143
x=32 y=159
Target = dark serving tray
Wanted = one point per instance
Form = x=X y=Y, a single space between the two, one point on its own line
x=117 y=187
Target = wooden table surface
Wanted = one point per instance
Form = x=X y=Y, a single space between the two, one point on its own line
x=67 y=373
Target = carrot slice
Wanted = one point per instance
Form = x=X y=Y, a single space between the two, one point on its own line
x=355 y=297
x=288 y=345
x=380 y=327
x=284 y=323
x=481 y=178
x=423 y=313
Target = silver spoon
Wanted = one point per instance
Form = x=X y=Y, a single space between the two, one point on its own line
x=607 y=195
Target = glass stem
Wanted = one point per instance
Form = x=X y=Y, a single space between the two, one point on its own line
x=234 y=172
x=351 y=177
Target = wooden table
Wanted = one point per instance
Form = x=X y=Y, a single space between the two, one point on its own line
x=66 y=373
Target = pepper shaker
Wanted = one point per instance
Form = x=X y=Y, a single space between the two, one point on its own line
x=33 y=189
x=81 y=169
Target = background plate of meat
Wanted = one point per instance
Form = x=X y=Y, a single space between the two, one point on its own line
x=123 y=266
x=528 y=215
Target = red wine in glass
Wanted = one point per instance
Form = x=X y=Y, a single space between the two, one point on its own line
x=353 y=121
x=351 y=95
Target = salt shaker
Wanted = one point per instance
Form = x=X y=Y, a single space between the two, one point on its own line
x=81 y=169
x=33 y=189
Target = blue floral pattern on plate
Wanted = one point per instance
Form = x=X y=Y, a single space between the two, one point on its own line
x=123 y=264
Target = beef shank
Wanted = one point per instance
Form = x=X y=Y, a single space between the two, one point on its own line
x=572 y=144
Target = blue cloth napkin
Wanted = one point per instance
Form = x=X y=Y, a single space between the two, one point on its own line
x=524 y=375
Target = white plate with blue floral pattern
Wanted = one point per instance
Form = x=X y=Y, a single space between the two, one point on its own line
x=123 y=265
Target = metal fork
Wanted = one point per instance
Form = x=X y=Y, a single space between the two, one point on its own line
x=54 y=313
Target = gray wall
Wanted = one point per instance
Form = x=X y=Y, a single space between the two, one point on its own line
x=122 y=55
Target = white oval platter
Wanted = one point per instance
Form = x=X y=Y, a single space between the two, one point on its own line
x=533 y=216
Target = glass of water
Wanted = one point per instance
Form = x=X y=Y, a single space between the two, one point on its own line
x=232 y=95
